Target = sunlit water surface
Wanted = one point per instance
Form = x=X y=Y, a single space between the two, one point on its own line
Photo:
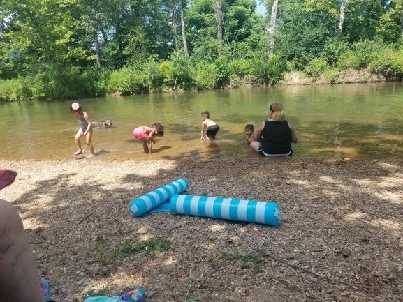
x=355 y=121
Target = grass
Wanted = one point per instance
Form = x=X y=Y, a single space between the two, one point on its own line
x=192 y=299
x=246 y=261
x=152 y=246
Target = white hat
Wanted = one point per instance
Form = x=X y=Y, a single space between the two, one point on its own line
x=75 y=106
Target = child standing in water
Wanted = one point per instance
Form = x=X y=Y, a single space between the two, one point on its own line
x=147 y=134
x=209 y=127
x=84 y=130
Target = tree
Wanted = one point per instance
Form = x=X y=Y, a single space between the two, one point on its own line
x=272 y=25
x=183 y=28
x=304 y=27
x=343 y=7
x=362 y=17
x=219 y=15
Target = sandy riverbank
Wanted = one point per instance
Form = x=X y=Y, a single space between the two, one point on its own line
x=341 y=237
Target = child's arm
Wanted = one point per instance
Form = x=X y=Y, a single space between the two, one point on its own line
x=294 y=137
x=86 y=117
x=258 y=132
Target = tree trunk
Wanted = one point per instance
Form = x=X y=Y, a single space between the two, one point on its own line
x=401 y=23
x=174 y=27
x=184 y=40
x=219 y=14
x=342 y=15
x=97 y=50
x=273 y=25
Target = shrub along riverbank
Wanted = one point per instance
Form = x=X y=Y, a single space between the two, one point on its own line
x=184 y=73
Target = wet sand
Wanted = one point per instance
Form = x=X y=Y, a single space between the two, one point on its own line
x=340 y=240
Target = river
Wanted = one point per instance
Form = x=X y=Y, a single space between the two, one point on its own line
x=354 y=121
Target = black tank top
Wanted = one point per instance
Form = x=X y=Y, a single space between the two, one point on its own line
x=276 y=137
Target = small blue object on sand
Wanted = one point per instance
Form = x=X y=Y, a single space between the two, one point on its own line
x=142 y=205
x=46 y=292
x=131 y=296
x=227 y=208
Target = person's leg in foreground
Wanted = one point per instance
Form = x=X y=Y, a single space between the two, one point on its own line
x=19 y=278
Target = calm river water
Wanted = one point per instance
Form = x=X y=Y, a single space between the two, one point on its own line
x=355 y=121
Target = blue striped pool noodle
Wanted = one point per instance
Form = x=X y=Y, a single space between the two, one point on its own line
x=227 y=208
x=140 y=206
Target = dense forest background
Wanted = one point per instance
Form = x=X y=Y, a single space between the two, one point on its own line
x=80 y=48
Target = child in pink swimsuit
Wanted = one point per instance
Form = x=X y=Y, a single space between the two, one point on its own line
x=146 y=135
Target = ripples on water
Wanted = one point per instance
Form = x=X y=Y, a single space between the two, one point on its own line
x=356 y=121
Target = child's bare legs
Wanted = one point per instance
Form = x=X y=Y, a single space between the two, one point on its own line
x=78 y=143
x=145 y=147
x=88 y=140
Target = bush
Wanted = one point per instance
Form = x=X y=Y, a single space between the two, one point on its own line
x=316 y=67
x=206 y=75
x=154 y=74
x=366 y=51
x=167 y=71
x=333 y=50
x=14 y=90
x=128 y=81
x=268 y=69
x=389 y=62
x=223 y=72
x=181 y=71
x=332 y=75
x=63 y=82
x=349 y=60
x=240 y=68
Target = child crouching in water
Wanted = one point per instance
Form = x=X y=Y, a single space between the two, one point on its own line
x=147 y=134
x=249 y=131
x=209 y=127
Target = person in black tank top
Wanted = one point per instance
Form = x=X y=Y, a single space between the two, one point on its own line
x=274 y=136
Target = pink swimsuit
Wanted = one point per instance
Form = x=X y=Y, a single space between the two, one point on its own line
x=139 y=134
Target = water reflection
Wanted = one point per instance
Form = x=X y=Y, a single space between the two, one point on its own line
x=342 y=121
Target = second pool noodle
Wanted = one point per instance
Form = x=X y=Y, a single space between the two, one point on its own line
x=141 y=205
x=227 y=208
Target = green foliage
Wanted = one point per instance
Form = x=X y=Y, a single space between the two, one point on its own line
x=128 y=81
x=181 y=71
x=206 y=75
x=223 y=72
x=360 y=55
x=331 y=75
x=305 y=28
x=14 y=90
x=316 y=67
x=333 y=49
x=388 y=28
x=78 y=48
x=240 y=67
x=155 y=75
x=349 y=60
x=362 y=19
x=389 y=62
x=268 y=69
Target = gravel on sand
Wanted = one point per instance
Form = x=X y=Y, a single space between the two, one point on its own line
x=340 y=239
